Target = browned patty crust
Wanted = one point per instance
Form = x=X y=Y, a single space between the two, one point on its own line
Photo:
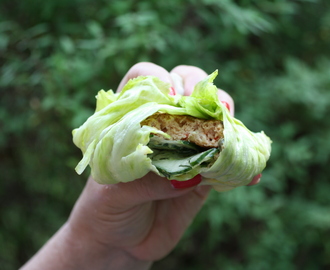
x=205 y=133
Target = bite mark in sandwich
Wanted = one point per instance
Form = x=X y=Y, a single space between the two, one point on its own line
x=204 y=133
x=192 y=142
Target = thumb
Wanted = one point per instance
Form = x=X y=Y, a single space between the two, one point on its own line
x=126 y=195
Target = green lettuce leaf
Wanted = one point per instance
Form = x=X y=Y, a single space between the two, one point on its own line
x=116 y=146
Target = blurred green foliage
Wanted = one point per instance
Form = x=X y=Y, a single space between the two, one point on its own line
x=273 y=57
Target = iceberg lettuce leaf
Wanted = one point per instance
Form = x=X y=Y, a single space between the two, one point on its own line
x=116 y=146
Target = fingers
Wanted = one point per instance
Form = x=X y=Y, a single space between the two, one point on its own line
x=145 y=69
x=192 y=75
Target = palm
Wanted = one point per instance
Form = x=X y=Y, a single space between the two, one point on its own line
x=148 y=227
x=171 y=218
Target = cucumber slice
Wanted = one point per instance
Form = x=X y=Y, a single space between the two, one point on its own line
x=178 y=146
x=171 y=163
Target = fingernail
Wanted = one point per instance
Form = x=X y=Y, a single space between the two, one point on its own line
x=172 y=91
x=187 y=183
x=226 y=104
x=255 y=180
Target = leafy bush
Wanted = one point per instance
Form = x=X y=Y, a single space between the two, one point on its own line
x=273 y=58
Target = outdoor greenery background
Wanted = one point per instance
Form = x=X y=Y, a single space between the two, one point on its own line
x=273 y=58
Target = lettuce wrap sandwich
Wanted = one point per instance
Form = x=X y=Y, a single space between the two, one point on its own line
x=144 y=129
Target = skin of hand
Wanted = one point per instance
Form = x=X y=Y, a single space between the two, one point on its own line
x=127 y=225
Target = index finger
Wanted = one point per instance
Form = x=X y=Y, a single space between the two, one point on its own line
x=145 y=69
x=192 y=75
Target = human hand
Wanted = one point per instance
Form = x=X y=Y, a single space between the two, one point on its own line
x=146 y=217
x=132 y=224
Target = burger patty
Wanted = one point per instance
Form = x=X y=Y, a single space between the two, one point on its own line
x=204 y=133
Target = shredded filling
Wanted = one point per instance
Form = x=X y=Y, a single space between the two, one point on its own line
x=204 y=133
